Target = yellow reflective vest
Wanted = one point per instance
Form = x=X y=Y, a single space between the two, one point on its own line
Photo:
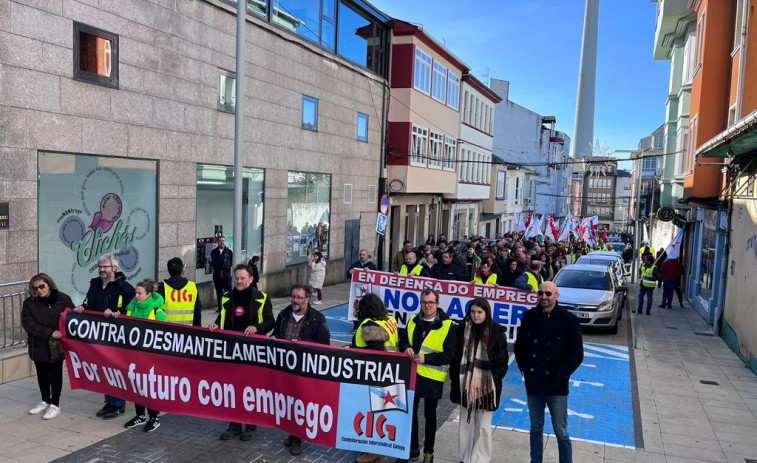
x=490 y=280
x=179 y=305
x=534 y=280
x=415 y=271
x=390 y=325
x=647 y=276
x=432 y=343
x=226 y=298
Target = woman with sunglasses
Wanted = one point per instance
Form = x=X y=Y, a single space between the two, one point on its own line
x=39 y=317
x=476 y=377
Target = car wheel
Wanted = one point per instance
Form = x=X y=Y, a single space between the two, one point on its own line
x=621 y=309
x=614 y=329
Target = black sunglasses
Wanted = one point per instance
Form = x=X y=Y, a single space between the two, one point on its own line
x=543 y=293
x=41 y=286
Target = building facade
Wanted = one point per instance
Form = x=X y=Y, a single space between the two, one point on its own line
x=119 y=136
x=599 y=186
x=622 y=217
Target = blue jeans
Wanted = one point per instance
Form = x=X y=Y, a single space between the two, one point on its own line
x=115 y=401
x=642 y=291
x=558 y=409
x=668 y=287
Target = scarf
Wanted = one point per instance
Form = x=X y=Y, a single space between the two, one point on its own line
x=478 y=390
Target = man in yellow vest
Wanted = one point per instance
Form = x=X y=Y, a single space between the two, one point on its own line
x=531 y=278
x=430 y=339
x=645 y=250
x=182 y=300
x=485 y=276
x=649 y=275
x=378 y=331
x=247 y=310
x=412 y=266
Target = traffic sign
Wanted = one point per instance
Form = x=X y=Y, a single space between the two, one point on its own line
x=384 y=205
x=381 y=224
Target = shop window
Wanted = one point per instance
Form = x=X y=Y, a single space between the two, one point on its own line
x=227 y=91
x=707 y=264
x=90 y=206
x=362 y=127
x=215 y=215
x=95 y=55
x=308 y=216
x=309 y=113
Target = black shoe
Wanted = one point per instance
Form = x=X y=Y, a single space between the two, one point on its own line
x=248 y=433
x=231 y=433
x=670 y=306
x=648 y=313
x=114 y=412
x=414 y=456
x=136 y=421
x=152 y=425
x=681 y=302
x=662 y=306
x=107 y=408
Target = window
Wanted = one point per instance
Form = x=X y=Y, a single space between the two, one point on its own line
x=649 y=165
x=659 y=139
x=700 y=41
x=517 y=189
x=453 y=91
x=361 y=39
x=439 y=83
x=95 y=55
x=309 y=113
x=308 y=216
x=682 y=146
x=371 y=194
x=420 y=145
x=422 y=76
x=300 y=16
x=215 y=214
x=737 y=24
x=362 y=127
x=449 y=153
x=227 y=91
x=347 y=193
x=688 y=59
x=689 y=159
x=437 y=146
x=731 y=115
x=500 y=184
x=258 y=7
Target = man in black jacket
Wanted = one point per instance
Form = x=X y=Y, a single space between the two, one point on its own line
x=247 y=310
x=300 y=322
x=548 y=349
x=109 y=293
x=447 y=270
x=221 y=259
x=182 y=299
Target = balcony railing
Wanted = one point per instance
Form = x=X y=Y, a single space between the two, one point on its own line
x=10 y=324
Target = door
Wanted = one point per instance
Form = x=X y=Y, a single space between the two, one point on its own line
x=351 y=243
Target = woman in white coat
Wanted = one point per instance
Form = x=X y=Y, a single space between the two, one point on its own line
x=317 y=266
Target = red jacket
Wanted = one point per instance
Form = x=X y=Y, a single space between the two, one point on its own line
x=671 y=269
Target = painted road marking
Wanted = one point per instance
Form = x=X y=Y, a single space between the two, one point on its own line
x=339 y=326
x=600 y=407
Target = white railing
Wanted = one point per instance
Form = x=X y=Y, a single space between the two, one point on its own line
x=11 y=332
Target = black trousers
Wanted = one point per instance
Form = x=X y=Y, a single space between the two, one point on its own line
x=141 y=411
x=221 y=285
x=50 y=380
x=429 y=418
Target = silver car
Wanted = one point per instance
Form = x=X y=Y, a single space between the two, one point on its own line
x=593 y=294
x=611 y=259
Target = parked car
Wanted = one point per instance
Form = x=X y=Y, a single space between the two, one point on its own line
x=615 y=247
x=608 y=256
x=593 y=294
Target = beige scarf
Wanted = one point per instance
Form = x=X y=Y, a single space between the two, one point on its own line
x=478 y=390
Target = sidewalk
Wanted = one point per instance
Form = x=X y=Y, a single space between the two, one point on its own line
x=684 y=417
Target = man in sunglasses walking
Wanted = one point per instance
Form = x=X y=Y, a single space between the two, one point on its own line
x=548 y=349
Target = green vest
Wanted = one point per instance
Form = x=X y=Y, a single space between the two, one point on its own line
x=433 y=342
x=179 y=304
x=415 y=271
x=390 y=325
x=647 y=278
x=226 y=298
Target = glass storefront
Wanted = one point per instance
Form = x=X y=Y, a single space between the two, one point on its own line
x=308 y=216
x=709 y=239
x=90 y=206
x=215 y=215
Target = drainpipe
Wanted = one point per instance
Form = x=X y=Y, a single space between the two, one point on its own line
x=731 y=177
x=742 y=58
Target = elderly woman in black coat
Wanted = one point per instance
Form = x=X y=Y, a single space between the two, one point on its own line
x=39 y=317
x=476 y=377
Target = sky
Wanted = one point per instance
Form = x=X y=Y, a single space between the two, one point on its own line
x=536 y=46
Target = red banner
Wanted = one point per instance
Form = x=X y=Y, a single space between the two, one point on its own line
x=320 y=393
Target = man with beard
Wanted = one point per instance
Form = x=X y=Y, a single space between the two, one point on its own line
x=247 y=310
x=109 y=293
x=300 y=322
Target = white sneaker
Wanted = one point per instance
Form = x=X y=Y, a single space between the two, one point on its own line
x=51 y=412
x=39 y=408
x=316 y=302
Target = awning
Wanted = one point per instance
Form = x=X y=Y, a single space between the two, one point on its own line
x=737 y=140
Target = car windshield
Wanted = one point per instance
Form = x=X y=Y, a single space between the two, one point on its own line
x=591 y=260
x=583 y=279
x=617 y=247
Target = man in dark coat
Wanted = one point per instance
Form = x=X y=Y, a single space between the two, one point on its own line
x=221 y=259
x=109 y=293
x=548 y=349
x=300 y=322
x=447 y=270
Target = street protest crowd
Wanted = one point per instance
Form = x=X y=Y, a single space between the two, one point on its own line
x=472 y=352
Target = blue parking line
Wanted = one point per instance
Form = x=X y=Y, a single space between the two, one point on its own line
x=339 y=326
x=599 y=404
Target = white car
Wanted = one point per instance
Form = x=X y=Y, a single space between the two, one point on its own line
x=593 y=294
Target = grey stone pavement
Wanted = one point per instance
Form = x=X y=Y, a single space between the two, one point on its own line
x=681 y=416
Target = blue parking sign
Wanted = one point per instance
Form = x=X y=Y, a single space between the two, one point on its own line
x=381 y=224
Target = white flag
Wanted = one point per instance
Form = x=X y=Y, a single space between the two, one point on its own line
x=674 y=248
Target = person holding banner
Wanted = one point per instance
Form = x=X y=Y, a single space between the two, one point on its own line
x=531 y=278
x=108 y=293
x=484 y=275
x=249 y=311
x=430 y=338
x=300 y=322
x=40 y=315
x=147 y=303
x=476 y=375
x=447 y=269
x=412 y=266
x=378 y=331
